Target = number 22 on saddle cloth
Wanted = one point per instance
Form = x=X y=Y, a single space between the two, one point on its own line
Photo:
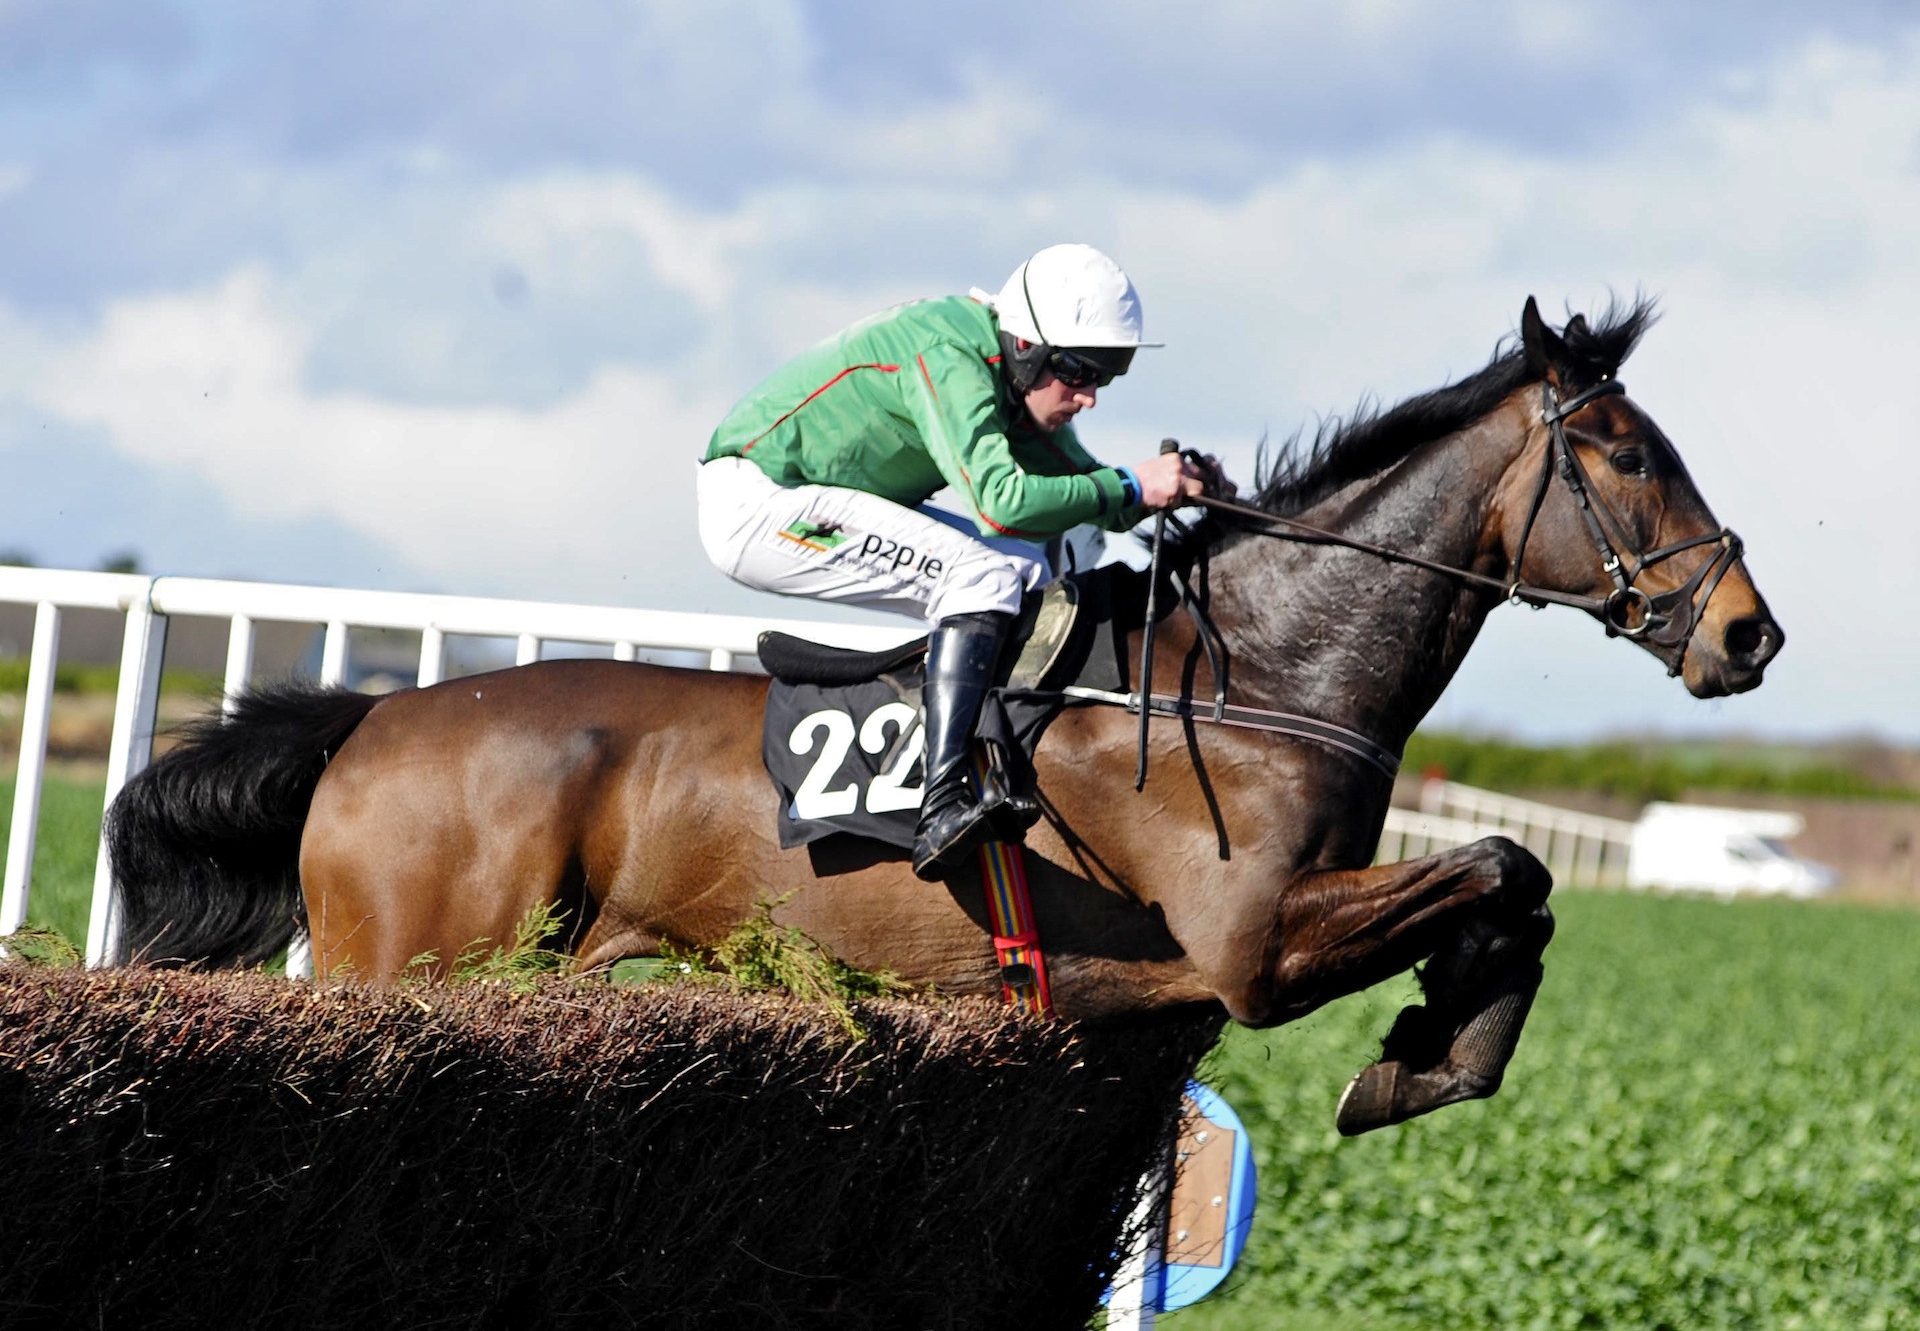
x=843 y=740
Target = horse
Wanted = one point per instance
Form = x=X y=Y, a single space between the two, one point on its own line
x=402 y=830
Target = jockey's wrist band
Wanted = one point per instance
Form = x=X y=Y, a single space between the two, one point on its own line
x=1129 y=486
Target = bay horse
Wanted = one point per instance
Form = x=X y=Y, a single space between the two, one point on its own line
x=1240 y=877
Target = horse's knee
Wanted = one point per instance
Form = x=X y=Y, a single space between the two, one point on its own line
x=1536 y=930
x=1485 y=952
x=1514 y=874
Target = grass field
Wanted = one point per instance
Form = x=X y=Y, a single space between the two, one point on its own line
x=1711 y=1123
x=63 y=852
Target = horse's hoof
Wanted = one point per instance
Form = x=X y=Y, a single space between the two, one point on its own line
x=1386 y=1093
x=1367 y=1103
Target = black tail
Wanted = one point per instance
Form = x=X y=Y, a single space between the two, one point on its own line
x=206 y=842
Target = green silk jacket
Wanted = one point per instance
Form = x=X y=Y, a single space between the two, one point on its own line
x=911 y=400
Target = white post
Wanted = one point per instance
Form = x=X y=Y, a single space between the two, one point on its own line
x=625 y=651
x=300 y=956
x=239 y=662
x=33 y=766
x=333 y=657
x=526 y=649
x=1139 y=1283
x=719 y=659
x=135 y=706
x=433 y=656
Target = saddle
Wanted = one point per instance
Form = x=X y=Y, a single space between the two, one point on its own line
x=842 y=740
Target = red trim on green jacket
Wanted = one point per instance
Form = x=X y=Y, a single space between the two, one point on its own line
x=884 y=369
x=1019 y=533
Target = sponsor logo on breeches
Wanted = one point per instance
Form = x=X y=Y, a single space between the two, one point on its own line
x=874 y=550
x=877 y=549
x=821 y=537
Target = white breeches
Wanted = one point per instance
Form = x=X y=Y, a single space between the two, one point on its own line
x=834 y=544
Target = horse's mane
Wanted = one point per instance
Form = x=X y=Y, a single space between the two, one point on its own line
x=1370 y=440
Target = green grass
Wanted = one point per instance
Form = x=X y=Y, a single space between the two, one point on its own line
x=1709 y=1124
x=79 y=677
x=62 y=884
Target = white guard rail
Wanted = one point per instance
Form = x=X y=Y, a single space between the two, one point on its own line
x=1577 y=848
x=728 y=642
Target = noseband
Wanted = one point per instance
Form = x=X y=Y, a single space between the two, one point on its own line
x=1663 y=624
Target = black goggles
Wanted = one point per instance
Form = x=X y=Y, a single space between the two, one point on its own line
x=1089 y=368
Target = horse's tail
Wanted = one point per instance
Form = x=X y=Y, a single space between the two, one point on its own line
x=205 y=843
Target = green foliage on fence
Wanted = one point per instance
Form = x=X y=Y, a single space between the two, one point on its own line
x=763 y=956
x=1640 y=771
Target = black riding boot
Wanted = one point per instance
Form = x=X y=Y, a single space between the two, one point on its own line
x=960 y=659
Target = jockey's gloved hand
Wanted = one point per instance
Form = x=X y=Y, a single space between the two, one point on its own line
x=1214 y=475
x=1166 y=479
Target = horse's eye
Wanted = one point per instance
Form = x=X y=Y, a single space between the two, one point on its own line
x=1630 y=462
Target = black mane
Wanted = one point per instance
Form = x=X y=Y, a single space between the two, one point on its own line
x=1370 y=440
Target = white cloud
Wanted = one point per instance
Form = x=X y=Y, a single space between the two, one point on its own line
x=562 y=227
x=484 y=497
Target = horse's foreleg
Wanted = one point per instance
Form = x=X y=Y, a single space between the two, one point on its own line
x=1480 y=988
x=1479 y=912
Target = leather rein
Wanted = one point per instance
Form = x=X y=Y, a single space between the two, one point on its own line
x=1663 y=623
x=1666 y=621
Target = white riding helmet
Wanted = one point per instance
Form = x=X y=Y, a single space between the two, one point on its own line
x=1070 y=296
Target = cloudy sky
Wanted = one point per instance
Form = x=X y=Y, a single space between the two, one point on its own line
x=447 y=297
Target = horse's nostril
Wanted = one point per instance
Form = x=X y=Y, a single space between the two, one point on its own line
x=1753 y=641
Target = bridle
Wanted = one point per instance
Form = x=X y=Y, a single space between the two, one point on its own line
x=1664 y=624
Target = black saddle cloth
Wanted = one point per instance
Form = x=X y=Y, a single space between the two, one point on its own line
x=842 y=738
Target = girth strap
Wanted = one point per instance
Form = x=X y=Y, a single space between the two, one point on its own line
x=1253 y=718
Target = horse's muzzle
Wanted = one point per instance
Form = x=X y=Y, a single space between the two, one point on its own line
x=1747 y=644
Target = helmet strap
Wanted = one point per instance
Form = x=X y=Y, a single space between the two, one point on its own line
x=1023 y=366
x=1039 y=333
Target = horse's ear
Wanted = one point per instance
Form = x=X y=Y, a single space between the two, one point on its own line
x=1546 y=351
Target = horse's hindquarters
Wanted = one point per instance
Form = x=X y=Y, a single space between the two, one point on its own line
x=454 y=811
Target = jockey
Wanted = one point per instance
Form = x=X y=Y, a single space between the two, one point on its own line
x=814 y=485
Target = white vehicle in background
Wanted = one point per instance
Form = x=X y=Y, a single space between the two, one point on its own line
x=1729 y=852
x=1685 y=847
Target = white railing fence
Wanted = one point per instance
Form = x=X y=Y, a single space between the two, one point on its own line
x=1578 y=848
x=726 y=642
